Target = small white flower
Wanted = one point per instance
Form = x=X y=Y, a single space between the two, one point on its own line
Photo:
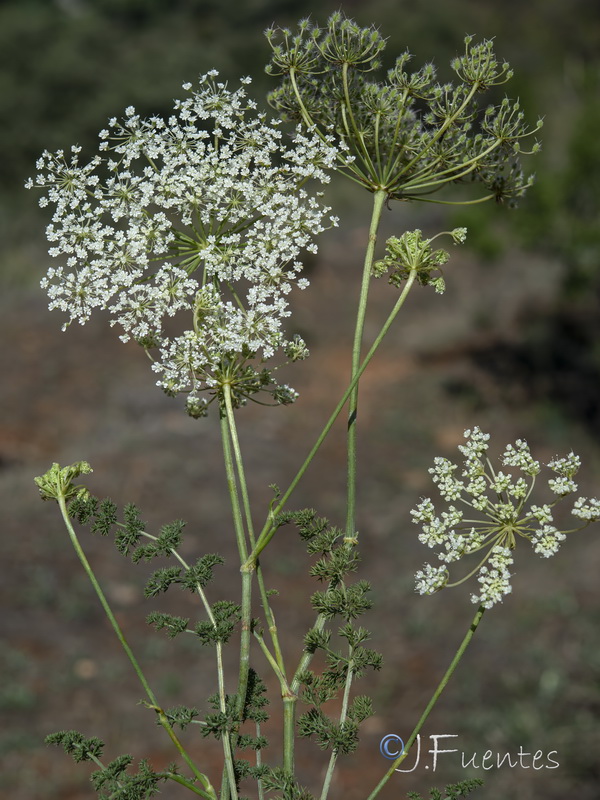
x=499 y=498
x=568 y=466
x=547 y=540
x=587 y=509
x=518 y=455
x=562 y=485
x=210 y=199
x=431 y=579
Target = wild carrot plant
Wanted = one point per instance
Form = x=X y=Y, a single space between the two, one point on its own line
x=204 y=216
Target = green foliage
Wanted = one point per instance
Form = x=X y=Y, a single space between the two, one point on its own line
x=329 y=735
x=84 y=508
x=278 y=780
x=451 y=791
x=348 y=602
x=168 y=540
x=339 y=558
x=128 y=535
x=172 y=625
x=226 y=615
x=181 y=716
x=76 y=745
x=111 y=773
x=201 y=573
x=160 y=580
x=105 y=517
x=316 y=639
x=114 y=783
x=306 y=521
x=256 y=700
x=220 y=723
x=102 y=517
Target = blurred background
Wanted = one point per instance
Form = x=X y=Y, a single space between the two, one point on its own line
x=513 y=346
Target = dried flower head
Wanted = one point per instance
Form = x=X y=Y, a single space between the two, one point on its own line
x=406 y=133
x=498 y=515
x=203 y=212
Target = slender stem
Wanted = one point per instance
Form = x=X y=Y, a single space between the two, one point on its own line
x=352 y=167
x=104 y=602
x=272 y=661
x=289 y=700
x=343 y=715
x=378 y=201
x=228 y=755
x=238 y=522
x=210 y=792
x=366 y=158
x=289 y=723
x=246 y=577
x=172 y=776
x=448 y=674
x=270 y=526
x=244 y=643
x=229 y=436
x=270 y=617
x=393 y=160
x=259 y=782
x=441 y=131
x=307 y=657
x=423 y=199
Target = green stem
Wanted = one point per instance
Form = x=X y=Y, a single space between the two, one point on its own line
x=270 y=617
x=289 y=698
x=343 y=714
x=358 y=138
x=440 y=132
x=227 y=753
x=246 y=613
x=270 y=527
x=277 y=663
x=188 y=785
x=378 y=201
x=259 y=782
x=229 y=435
x=272 y=661
x=352 y=167
x=210 y=792
x=307 y=657
x=442 y=685
x=289 y=724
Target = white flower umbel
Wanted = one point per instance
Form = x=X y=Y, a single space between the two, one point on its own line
x=205 y=212
x=494 y=515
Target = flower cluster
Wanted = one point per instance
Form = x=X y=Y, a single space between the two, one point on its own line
x=412 y=253
x=406 y=132
x=498 y=514
x=203 y=212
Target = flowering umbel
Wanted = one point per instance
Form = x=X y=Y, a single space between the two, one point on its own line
x=203 y=212
x=497 y=514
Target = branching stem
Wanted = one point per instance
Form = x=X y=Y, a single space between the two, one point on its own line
x=441 y=686
x=269 y=528
x=209 y=792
